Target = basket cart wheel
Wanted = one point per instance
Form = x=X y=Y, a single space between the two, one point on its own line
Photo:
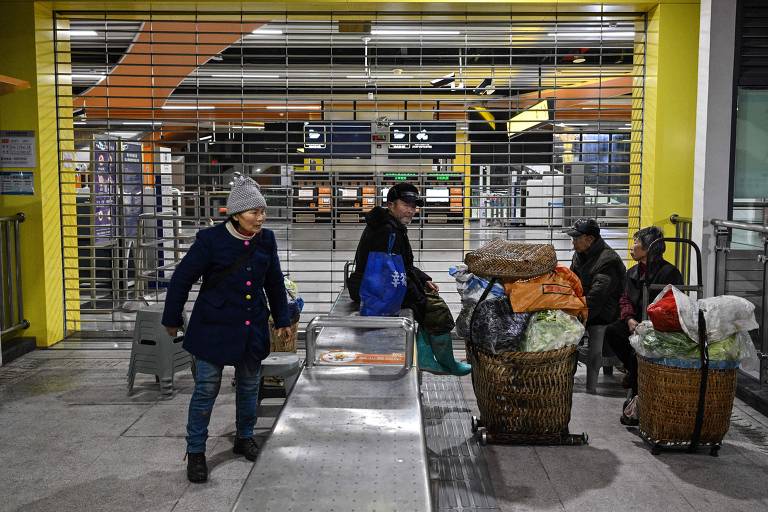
x=714 y=449
x=476 y=424
x=482 y=435
x=655 y=449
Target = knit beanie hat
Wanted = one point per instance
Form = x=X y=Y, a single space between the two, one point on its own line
x=245 y=195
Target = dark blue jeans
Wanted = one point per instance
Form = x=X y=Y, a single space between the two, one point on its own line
x=207 y=384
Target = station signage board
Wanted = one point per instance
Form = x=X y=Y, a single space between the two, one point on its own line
x=337 y=139
x=422 y=139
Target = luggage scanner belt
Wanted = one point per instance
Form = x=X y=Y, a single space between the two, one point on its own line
x=349 y=437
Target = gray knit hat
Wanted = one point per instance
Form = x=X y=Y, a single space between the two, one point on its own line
x=245 y=195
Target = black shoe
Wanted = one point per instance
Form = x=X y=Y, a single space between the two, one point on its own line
x=197 y=470
x=630 y=422
x=247 y=447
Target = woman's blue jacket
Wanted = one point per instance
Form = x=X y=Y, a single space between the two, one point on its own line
x=229 y=320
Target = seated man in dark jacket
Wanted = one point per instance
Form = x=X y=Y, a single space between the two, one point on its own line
x=600 y=269
x=435 y=348
x=651 y=269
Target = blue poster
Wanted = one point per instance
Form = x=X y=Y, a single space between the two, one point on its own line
x=103 y=191
x=131 y=187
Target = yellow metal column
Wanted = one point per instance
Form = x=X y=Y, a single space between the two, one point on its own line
x=27 y=52
x=669 y=123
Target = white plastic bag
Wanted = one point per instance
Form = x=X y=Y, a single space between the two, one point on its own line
x=725 y=315
x=471 y=287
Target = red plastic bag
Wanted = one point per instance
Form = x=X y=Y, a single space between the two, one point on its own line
x=663 y=314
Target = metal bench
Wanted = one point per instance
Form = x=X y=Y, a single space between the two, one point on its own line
x=350 y=436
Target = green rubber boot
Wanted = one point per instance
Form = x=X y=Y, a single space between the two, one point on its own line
x=442 y=347
x=425 y=357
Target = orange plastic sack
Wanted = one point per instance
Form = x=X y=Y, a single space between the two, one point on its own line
x=560 y=289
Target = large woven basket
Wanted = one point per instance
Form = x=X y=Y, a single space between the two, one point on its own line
x=511 y=260
x=525 y=397
x=669 y=399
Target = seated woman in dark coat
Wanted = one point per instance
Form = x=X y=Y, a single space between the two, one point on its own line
x=651 y=268
x=238 y=262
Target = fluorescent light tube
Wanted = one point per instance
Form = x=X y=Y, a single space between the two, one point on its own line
x=123 y=135
x=267 y=32
x=245 y=76
x=82 y=33
x=410 y=33
x=207 y=137
x=142 y=123
x=379 y=77
x=188 y=107
x=78 y=76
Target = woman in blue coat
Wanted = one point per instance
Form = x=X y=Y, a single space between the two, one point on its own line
x=238 y=262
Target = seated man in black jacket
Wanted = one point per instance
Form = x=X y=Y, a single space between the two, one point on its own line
x=651 y=269
x=600 y=269
x=435 y=348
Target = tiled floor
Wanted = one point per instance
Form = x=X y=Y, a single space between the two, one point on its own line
x=71 y=440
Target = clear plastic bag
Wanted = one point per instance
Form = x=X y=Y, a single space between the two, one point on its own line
x=725 y=315
x=552 y=329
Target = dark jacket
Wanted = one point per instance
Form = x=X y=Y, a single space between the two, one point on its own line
x=660 y=272
x=379 y=224
x=229 y=321
x=602 y=274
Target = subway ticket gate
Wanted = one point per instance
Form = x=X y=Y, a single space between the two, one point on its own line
x=350 y=435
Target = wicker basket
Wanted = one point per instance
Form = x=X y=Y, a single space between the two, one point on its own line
x=511 y=260
x=669 y=399
x=277 y=344
x=525 y=397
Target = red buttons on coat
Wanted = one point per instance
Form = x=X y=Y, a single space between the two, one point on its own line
x=247 y=242
x=247 y=322
x=247 y=283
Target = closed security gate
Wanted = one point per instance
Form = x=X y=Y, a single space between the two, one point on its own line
x=511 y=126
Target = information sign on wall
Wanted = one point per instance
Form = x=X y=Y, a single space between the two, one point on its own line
x=17 y=149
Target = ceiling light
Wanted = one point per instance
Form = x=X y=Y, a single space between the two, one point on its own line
x=592 y=35
x=79 y=123
x=82 y=33
x=207 y=137
x=188 y=107
x=245 y=76
x=86 y=77
x=563 y=125
x=379 y=77
x=123 y=135
x=485 y=87
x=410 y=33
x=579 y=60
x=267 y=32
x=247 y=127
x=293 y=107
x=141 y=123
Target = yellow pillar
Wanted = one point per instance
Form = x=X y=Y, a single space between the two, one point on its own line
x=26 y=52
x=669 y=122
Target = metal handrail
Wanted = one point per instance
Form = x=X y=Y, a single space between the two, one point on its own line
x=732 y=224
x=358 y=322
x=10 y=281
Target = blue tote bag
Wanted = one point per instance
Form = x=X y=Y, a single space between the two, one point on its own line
x=384 y=283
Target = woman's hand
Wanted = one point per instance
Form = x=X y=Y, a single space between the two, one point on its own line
x=172 y=331
x=631 y=324
x=432 y=287
x=283 y=332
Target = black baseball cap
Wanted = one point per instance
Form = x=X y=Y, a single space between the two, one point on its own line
x=583 y=227
x=405 y=192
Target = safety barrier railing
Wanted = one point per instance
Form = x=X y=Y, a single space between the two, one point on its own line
x=742 y=270
x=12 y=305
x=682 y=251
